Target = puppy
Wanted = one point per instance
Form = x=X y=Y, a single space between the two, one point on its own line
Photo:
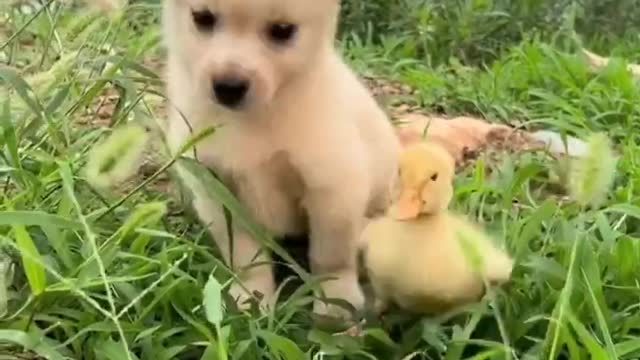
x=301 y=142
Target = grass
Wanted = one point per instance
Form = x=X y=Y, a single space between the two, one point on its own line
x=88 y=273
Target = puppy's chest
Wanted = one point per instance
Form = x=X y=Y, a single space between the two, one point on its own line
x=263 y=178
x=273 y=191
x=236 y=150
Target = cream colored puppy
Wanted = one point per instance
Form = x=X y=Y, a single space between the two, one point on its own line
x=302 y=143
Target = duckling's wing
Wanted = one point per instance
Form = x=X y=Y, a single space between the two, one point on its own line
x=498 y=268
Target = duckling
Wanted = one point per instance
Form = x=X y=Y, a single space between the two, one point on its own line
x=419 y=255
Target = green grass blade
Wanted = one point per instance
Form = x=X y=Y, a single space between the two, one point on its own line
x=596 y=299
x=31 y=260
x=596 y=351
x=285 y=348
x=213 y=301
x=23 y=89
x=5 y=282
x=554 y=334
x=37 y=218
x=68 y=184
x=628 y=348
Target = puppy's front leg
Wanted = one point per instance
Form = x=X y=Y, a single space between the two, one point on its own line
x=336 y=221
x=253 y=266
x=246 y=258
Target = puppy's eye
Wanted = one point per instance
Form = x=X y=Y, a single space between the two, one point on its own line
x=281 y=33
x=205 y=20
x=434 y=177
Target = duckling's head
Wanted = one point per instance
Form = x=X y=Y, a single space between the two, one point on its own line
x=426 y=180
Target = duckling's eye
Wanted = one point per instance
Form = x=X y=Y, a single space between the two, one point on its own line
x=205 y=20
x=434 y=177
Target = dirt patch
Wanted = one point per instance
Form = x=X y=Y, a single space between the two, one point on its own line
x=501 y=141
x=466 y=137
x=396 y=98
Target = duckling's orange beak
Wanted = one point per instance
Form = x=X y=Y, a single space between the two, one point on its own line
x=409 y=205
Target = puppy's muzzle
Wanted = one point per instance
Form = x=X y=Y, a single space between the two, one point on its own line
x=231 y=92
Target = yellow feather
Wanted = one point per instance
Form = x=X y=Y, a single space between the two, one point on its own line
x=422 y=264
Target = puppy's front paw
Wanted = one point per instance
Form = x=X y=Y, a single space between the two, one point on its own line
x=261 y=288
x=380 y=307
x=345 y=288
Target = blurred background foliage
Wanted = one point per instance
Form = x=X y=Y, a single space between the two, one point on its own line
x=477 y=31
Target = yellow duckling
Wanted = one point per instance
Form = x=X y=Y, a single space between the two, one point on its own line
x=421 y=256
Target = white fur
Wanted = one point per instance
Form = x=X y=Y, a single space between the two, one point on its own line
x=310 y=151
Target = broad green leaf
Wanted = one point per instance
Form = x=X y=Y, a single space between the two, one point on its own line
x=380 y=336
x=609 y=236
x=58 y=99
x=111 y=350
x=242 y=348
x=329 y=344
x=284 y=347
x=60 y=244
x=457 y=346
x=31 y=343
x=23 y=89
x=210 y=353
x=520 y=178
x=626 y=209
x=628 y=347
x=575 y=351
x=626 y=259
x=31 y=260
x=533 y=224
x=37 y=218
x=213 y=301
x=171 y=352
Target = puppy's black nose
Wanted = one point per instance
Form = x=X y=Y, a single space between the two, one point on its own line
x=230 y=91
